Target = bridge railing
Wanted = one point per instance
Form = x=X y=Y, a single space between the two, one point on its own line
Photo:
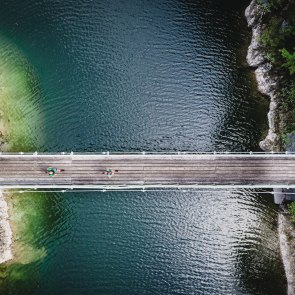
x=148 y=153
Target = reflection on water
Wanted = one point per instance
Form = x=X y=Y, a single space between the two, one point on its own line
x=168 y=243
x=148 y=76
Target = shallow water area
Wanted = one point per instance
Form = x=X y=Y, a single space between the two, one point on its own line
x=19 y=95
x=32 y=217
x=19 y=114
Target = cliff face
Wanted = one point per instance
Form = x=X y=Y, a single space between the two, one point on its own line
x=266 y=79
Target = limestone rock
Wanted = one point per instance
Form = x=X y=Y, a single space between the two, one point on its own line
x=253 y=14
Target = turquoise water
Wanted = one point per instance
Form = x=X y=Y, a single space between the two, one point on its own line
x=153 y=76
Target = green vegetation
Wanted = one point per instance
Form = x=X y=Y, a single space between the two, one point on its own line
x=272 y=40
x=271 y=5
x=288 y=105
x=289 y=60
x=278 y=43
x=291 y=208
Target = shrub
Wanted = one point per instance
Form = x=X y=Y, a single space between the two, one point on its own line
x=289 y=30
x=288 y=92
x=289 y=60
x=270 y=4
x=272 y=39
x=291 y=208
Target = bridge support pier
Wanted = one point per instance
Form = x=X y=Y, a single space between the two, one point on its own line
x=279 y=196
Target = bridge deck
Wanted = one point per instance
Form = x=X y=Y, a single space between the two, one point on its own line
x=135 y=171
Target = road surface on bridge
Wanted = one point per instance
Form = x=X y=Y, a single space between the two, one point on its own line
x=148 y=171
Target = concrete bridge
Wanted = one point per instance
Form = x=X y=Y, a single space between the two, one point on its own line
x=147 y=170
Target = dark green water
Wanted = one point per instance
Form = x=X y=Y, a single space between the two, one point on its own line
x=154 y=76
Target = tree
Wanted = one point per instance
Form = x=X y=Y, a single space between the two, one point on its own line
x=291 y=208
x=289 y=60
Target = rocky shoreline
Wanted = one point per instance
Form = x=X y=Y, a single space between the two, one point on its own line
x=6 y=235
x=267 y=80
x=268 y=83
x=5 y=231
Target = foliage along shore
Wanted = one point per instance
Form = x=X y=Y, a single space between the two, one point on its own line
x=272 y=55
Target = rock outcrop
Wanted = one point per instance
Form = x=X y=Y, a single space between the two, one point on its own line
x=267 y=81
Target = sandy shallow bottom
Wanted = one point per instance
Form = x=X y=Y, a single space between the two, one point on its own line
x=19 y=116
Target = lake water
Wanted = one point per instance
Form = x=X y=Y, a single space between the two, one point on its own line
x=149 y=75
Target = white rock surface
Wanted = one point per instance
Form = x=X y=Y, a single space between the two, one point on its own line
x=254 y=54
x=5 y=232
x=267 y=84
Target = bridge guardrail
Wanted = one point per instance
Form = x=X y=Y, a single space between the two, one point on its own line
x=147 y=153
